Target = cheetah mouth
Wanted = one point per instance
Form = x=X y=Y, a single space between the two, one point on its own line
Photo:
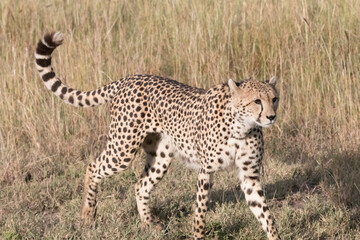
x=266 y=125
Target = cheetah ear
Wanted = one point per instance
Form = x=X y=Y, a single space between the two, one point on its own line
x=272 y=81
x=232 y=86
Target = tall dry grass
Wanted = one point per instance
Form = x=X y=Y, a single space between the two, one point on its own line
x=312 y=46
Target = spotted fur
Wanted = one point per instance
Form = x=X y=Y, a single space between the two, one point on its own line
x=209 y=130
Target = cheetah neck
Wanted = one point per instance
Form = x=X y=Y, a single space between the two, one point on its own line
x=240 y=129
x=238 y=125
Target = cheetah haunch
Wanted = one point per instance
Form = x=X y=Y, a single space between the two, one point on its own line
x=207 y=129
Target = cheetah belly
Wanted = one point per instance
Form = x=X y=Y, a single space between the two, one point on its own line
x=190 y=162
x=156 y=143
x=222 y=158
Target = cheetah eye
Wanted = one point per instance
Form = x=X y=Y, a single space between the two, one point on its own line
x=274 y=99
x=258 y=101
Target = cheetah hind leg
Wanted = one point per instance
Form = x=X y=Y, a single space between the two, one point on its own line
x=158 y=158
x=106 y=165
x=88 y=211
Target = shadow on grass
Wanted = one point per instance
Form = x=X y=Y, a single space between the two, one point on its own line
x=335 y=176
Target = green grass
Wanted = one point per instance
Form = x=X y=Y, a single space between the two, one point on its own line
x=312 y=154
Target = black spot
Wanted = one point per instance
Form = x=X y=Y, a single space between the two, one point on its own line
x=42 y=49
x=55 y=86
x=43 y=62
x=49 y=41
x=254 y=177
x=64 y=90
x=46 y=77
x=253 y=203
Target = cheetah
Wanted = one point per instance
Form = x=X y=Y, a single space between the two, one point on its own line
x=209 y=130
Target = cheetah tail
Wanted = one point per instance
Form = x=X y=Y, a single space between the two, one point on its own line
x=44 y=49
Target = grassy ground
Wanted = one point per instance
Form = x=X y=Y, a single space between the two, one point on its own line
x=312 y=154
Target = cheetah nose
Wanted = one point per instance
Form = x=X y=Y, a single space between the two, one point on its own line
x=272 y=117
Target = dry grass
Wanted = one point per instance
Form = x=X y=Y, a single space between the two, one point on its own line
x=312 y=162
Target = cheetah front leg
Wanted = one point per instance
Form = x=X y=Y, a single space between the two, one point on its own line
x=202 y=200
x=248 y=163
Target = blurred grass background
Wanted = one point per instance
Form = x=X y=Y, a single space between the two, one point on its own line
x=312 y=154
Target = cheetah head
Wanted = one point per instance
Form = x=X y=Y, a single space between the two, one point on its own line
x=254 y=103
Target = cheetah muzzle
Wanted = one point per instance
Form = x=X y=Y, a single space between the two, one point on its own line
x=208 y=130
